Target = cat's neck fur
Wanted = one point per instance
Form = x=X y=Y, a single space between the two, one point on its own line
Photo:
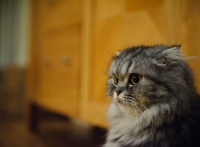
x=135 y=131
x=138 y=127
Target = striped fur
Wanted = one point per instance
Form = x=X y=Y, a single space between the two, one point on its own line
x=162 y=109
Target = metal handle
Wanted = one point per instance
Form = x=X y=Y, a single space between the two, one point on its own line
x=47 y=62
x=65 y=60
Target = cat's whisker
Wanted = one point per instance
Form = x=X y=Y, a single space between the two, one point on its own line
x=143 y=107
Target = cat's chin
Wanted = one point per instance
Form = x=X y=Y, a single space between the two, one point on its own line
x=126 y=108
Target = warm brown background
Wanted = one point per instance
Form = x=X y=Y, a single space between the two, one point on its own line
x=73 y=41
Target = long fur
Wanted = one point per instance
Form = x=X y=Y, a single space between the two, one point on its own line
x=162 y=109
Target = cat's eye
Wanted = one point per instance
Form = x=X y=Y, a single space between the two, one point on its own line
x=135 y=78
x=115 y=80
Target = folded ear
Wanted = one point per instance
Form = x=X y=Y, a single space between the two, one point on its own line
x=169 y=56
x=172 y=53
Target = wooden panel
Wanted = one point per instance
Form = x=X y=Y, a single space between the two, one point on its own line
x=58 y=13
x=58 y=87
x=56 y=43
x=118 y=24
x=123 y=23
x=191 y=34
x=35 y=33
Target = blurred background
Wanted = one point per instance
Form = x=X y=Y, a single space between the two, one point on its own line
x=54 y=56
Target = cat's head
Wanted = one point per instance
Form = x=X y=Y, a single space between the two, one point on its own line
x=146 y=76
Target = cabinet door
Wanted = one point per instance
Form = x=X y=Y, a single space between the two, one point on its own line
x=116 y=25
x=120 y=24
x=59 y=56
x=191 y=34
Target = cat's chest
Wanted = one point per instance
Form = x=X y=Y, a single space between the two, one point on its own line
x=130 y=131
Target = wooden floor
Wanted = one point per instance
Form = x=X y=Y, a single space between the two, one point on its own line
x=52 y=132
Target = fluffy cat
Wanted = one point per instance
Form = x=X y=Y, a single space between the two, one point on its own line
x=154 y=100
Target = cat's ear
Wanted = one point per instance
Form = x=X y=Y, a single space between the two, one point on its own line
x=172 y=53
x=169 y=56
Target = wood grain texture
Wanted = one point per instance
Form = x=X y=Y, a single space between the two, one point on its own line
x=120 y=24
x=55 y=53
x=90 y=33
x=191 y=35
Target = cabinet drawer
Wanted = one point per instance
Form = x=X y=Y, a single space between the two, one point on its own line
x=58 y=71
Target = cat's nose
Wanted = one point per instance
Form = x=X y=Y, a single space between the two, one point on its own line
x=118 y=92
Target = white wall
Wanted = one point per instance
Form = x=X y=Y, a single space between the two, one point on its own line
x=14 y=32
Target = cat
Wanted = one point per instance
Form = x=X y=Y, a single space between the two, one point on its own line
x=154 y=100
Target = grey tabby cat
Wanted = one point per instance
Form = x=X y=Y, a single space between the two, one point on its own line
x=154 y=100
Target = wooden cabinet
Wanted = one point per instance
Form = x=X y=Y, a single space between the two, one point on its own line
x=56 y=55
x=58 y=70
x=74 y=40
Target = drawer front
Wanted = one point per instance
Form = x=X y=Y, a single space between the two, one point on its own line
x=58 y=75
